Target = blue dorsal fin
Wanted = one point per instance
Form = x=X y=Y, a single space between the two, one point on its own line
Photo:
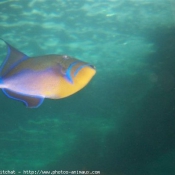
x=13 y=58
x=29 y=101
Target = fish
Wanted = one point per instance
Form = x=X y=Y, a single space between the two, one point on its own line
x=32 y=79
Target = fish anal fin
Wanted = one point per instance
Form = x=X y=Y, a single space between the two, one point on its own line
x=29 y=101
x=13 y=58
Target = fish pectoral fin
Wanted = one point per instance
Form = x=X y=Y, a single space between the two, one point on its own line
x=29 y=101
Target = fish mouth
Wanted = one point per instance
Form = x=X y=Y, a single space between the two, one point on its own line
x=92 y=66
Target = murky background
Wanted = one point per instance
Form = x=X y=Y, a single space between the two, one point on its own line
x=123 y=122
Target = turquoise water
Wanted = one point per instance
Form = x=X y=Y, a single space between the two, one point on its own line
x=122 y=122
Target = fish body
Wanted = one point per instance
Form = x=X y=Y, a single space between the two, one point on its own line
x=32 y=79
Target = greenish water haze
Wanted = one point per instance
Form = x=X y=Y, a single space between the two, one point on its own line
x=123 y=122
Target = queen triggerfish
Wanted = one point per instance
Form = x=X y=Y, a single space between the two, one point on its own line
x=32 y=79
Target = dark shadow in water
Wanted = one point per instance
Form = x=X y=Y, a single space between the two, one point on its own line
x=149 y=131
x=147 y=127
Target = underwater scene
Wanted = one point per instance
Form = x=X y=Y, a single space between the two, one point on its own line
x=122 y=122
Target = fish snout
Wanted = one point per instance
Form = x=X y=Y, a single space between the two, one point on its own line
x=92 y=66
x=86 y=71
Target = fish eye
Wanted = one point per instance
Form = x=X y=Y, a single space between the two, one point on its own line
x=65 y=57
